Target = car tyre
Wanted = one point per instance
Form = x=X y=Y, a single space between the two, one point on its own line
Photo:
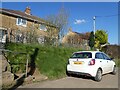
x=114 y=70
x=68 y=74
x=98 y=76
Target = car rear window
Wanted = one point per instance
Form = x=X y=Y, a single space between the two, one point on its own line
x=82 y=55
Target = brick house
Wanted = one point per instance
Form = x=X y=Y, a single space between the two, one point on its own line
x=76 y=39
x=17 y=26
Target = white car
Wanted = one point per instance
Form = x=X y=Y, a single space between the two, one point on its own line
x=90 y=63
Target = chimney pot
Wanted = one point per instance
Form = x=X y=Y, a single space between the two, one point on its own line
x=28 y=10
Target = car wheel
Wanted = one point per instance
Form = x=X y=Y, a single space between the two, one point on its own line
x=98 y=76
x=68 y=74
x=114 y=70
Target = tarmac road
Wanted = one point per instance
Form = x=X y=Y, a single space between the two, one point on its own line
x=108 y=81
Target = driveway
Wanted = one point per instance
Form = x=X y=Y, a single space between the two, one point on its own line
x=108 y=81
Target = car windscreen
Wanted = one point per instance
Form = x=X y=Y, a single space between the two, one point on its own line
x=82 y=55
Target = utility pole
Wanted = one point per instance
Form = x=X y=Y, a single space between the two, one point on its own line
x=94 y=23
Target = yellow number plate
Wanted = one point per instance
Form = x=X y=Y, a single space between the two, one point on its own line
x=78 y=62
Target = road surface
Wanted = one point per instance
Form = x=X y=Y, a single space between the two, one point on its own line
x=108 y=81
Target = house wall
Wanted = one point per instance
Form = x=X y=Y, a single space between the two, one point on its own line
x=69 y=34
x=9 y=23
x=75 y=40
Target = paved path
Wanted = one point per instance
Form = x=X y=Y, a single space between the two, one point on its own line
x=108 y=81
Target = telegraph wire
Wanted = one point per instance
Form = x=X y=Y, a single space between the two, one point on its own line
x=108 y=15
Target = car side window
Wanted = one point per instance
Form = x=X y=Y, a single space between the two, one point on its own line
x=105 y=57
x=99 y=56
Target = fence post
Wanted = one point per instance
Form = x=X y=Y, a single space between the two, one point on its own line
x=27 y=65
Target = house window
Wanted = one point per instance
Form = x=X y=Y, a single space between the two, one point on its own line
x=41 y=40
x=43 y=27
x=21 y=22
x=3 y=35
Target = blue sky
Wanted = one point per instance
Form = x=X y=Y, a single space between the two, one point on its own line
x=80 y=14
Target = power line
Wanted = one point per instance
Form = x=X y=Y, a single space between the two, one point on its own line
x=109 y=15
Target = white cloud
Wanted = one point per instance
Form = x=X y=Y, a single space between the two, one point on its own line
x=78 y=21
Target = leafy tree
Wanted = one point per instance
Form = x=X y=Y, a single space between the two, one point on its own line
x=101 y=38
x=91 y=40
x=97 y=44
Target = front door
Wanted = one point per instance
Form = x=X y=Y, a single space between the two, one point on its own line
x=103 y=63
x=109 y=63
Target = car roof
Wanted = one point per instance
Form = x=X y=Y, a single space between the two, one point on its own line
x=87 y=51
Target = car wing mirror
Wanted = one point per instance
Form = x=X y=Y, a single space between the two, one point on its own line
x=111 y=58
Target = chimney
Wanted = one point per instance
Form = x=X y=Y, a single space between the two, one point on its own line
x=28 y=10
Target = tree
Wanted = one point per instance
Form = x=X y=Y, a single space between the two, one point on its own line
x=101 y=38
x=91 y=40
x=61 y=21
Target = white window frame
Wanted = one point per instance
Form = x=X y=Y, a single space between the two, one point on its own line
x=45 y=29
x=21 y=22
x=3 y=36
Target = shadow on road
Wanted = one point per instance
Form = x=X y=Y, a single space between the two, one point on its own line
x=21 y=80
x=82 y=76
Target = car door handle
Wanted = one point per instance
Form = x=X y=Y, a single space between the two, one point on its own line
x=100 y=61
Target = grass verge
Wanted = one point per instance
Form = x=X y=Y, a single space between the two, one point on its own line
x=51 y=61
x=117 y=61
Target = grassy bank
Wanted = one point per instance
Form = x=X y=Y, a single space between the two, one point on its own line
x=117 y=61
x=51 y=61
